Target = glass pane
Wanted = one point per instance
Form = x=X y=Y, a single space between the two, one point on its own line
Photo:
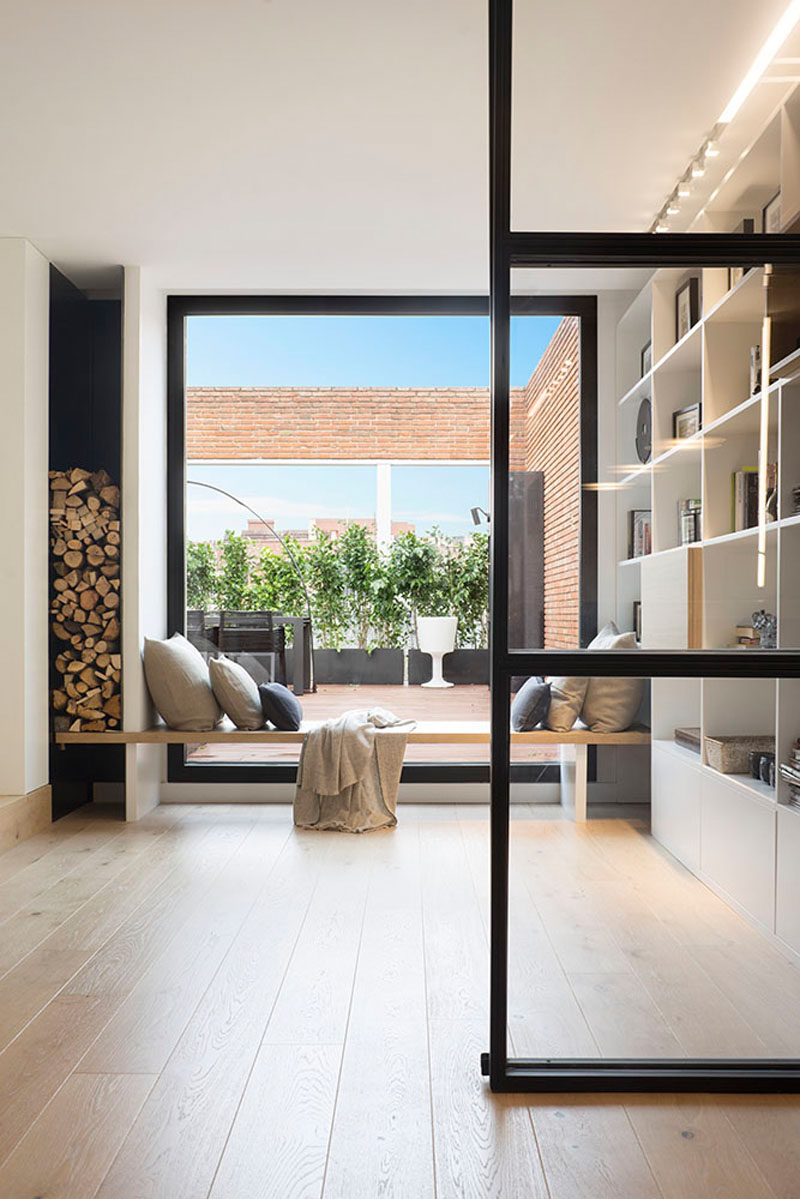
x=667 y=926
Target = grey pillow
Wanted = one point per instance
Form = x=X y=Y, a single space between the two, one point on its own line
x=178 y=682
x=611 y=704
x=236 y=693
x=280 y=707
x=530 y=706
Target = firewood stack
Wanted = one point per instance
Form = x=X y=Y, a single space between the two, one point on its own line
x=84 y=609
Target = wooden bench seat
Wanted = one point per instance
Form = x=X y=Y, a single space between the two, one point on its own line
x=469 y=732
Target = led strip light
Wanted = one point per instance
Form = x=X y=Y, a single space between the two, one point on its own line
x=763 y=437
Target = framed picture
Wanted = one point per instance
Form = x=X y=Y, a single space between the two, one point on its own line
x=771 y=215
x=637 y=619
x=646 y=359
x=640 y=540
x=686 y=421
x=737 y=273
x=687 y=307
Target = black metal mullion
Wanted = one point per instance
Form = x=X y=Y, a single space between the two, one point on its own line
x=651 y=250
x=500 y=318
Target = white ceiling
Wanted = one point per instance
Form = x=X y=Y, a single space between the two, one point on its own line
x=342 y=144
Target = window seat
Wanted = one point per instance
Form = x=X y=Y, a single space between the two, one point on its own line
x=424 y=733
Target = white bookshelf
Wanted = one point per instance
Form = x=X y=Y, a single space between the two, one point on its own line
x=736 y=833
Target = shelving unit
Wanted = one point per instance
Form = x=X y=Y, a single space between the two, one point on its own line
x=736 y=833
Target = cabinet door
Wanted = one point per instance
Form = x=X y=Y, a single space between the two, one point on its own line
x=676 y=806
x=738 y=847
x=787 y=911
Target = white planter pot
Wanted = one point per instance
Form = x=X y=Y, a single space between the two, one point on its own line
x=437 y=636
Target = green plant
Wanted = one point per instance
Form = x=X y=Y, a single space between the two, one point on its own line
x=274 y=585
x=358 y=555
x=234 y=575
x=201 y=575
x=325 y=579
x=391 y=616
x=470 y=583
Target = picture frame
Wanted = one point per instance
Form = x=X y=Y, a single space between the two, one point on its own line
x=771 y=215
x=687 y=421
x=687 y=307
x=737 y=273
x=646 y=359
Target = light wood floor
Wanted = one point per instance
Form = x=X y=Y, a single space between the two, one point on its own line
x=209 y=1004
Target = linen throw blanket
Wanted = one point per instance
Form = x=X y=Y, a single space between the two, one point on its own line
x=349 y=772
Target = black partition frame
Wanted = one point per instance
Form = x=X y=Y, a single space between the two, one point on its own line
x=179 y=307
x=510 y=249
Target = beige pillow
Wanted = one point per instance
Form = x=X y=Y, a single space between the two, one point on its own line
x=566 y=701
x=177 y=679
x=236 y=693
x=611 y=704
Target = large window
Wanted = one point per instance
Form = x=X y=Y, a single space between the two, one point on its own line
x=330 y=486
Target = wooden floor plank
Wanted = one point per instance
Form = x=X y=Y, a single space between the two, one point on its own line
x=694 y=1150
x=279 y=1142
x=314 y=998
x=456 y=961
x=590 y=1151
x=381 y=1142
x=42 y=1057
x=67 y=1152
x=769 y=1128
x=144 y=1031
x=483 y=1143
x=175 y=1145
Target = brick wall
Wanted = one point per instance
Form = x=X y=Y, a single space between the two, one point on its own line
x=429 y=424
x=552 y=445
x=322 y=422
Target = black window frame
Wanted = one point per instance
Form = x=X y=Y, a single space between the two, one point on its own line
x=180 y=307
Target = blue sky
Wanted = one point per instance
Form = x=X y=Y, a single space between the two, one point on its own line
x=347 y=352
x=355 y=351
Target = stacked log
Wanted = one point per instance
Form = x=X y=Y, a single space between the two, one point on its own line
x=85 y=598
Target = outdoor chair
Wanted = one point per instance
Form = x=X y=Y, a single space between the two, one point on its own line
x=254 y=633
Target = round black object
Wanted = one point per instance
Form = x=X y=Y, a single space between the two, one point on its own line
x=644 y=431
x=280 y=707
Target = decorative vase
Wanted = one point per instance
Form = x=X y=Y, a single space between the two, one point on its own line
x=437 y=636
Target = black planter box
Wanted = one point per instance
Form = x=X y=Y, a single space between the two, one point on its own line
x=461 y=666
x=357 y=666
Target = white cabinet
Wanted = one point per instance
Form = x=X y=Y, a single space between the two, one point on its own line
x=676 y=800
x=737 y=839
x=787 y=906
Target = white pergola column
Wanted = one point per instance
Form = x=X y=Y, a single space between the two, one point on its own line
x=383 y=508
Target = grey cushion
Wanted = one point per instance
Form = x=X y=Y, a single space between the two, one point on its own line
x=280 y=707
x=236 y=693
x=177 y=678
x=611 y=704
x=530 y=706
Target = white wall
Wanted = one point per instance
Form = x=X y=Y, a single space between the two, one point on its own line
x=24 y=352
x=144 y=499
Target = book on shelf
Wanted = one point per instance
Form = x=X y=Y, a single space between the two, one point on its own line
x=744 y=495
x=640 y=535
x=689 y=521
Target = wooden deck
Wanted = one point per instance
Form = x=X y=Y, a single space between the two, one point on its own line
x=209 y=1005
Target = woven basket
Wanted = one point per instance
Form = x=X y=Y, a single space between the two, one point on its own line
x=731 y=755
